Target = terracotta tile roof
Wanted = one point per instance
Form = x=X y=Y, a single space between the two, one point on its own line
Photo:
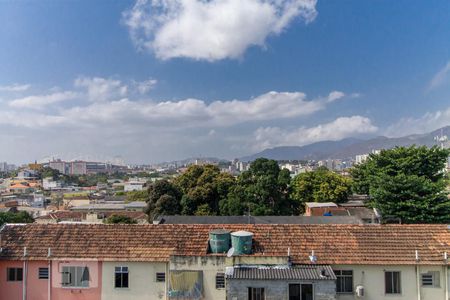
x=332 y=244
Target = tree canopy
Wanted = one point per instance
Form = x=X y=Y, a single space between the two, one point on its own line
x=320 y=185
x=406 y=183
x=203 y=188
x=262 y=190
x=163 y=199
x=120 y=219
x=15 y=217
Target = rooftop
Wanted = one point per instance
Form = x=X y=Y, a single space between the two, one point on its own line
x=320 y=204
x=299 y=272
x=257 y=220
x=389 y=244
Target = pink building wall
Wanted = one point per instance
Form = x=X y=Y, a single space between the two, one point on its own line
x=37 y=289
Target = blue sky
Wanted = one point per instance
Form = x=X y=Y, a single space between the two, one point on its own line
x=220 y=78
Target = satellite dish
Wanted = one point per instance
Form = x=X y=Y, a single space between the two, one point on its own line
x=230 y=252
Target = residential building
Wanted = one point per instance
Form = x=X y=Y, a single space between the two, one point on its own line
x=135 y=184
x=64 y=216
x=268 y=261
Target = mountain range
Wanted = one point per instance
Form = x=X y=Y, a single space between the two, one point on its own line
x=347 y=148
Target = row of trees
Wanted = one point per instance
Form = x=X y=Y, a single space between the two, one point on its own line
x=264 y=189
x=405 y=182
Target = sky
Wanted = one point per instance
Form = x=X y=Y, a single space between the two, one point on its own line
x=160 y=80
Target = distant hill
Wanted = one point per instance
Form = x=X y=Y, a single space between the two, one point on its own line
x=346 y=148
x=313 y=151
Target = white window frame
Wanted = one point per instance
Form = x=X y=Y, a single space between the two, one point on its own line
x=339 y=274
x=392 y=283
x=72 y=277
x=121 y=270
x=434 y=277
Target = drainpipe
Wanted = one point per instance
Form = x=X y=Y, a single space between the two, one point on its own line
x=446 y=275
x=418 y=275
x=49 y=284
x=24 y=275
x=166 y=282
x=418 y=281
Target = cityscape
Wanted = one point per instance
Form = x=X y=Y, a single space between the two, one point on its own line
x=225 y=150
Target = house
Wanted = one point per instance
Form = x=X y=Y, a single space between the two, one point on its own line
x=135 y=184
x=90 y=217
x=112 y=206
x=21 y=188
x=266 y=261
x=354 y=208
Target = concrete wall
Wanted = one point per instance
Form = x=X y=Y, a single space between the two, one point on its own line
x=279 y=289
x=372 y=278
x=142 y=281
x=210 y=266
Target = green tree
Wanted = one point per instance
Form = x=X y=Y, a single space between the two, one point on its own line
x=203 y=188
x=49 y=172
x=407 y=183
x=262 y=190
x=15 y=217
x=120 y=219
x=163 y=199
x=320 y=185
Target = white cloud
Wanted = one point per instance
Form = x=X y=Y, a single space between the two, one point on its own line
x=14 y=87
x=343 y=127
x=102 y=89
x=213 y=29
x=126 y=122
x=440 y=77
x=426 y=123
x=29 y=120
x=198 y=113
x=40 y=101
x=145 y=86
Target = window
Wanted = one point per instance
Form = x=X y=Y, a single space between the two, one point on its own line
x=14 y=274
x=161 y=277
x=75 y=276
x=256 y=293
x=431 y=279
x=220 y=280
x=392 y=282
x=121 y=277
x=43 y=273
x=344 y=283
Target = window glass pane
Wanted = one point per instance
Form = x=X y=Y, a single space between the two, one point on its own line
x=11 y=274
x=118 y=280
x=348 y=287
x=125 y=280
x=396 y=276
x=19 y=274
x=388 y=282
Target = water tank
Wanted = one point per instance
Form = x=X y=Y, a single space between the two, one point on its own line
x=219 y=241
x=241 y=241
